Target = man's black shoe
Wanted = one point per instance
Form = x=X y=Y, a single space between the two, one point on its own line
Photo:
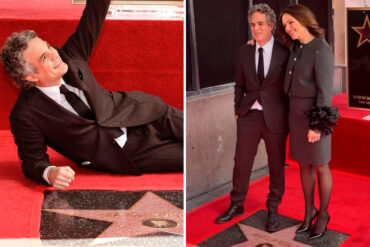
x=233 y=211
x=272 y=221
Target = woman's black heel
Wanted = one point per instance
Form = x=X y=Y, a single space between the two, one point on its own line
x=303 y=228
x=315 y=235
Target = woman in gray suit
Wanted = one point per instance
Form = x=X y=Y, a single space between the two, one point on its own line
x=309 y=83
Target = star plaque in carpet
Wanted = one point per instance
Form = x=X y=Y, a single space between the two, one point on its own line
x=121 y=218
x=363 y=31
x=251 y=232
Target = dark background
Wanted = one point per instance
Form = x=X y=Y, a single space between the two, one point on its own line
x=217 y=28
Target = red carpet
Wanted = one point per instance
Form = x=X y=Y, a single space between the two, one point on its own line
x=349 y=208
x=130 y=55
x=350 y=143
x=50 y=9
x=21 y=198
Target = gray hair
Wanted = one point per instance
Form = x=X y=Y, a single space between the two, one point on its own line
x=12 y=57
x=263 y=9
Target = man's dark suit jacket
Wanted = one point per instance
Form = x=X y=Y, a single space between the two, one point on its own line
x=269 y=93
x=38 y=122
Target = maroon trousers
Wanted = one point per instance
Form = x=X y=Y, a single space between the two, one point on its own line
x=251 y=128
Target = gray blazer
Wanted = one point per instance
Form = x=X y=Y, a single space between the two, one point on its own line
x=310 y=72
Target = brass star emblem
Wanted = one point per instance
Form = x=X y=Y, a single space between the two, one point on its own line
x=363 y=31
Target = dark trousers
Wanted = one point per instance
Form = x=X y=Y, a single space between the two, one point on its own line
x=158 y=146
x=250 y=129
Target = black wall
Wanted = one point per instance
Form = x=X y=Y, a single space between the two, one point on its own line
x=221 y=27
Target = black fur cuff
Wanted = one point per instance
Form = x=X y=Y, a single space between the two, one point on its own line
x=322 y=118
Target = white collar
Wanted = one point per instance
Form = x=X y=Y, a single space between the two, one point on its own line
x=52 y=91
x=266 y=47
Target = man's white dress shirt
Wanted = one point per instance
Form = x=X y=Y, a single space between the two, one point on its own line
x=267 y=53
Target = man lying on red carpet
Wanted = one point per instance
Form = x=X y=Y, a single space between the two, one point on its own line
x=61 y=105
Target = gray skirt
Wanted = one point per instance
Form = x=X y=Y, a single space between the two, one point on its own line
x=301 y=150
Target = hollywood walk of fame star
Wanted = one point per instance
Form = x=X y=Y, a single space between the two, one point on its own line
x=282 y=238
x=163 y=216
x=363 y=31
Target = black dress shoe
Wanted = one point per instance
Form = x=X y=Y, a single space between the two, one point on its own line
x=303 y=228
x=315 y=234
x=234 y=210
x=272 y=222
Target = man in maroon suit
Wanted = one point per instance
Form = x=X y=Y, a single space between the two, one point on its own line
x=62 y=106
x=261 y=111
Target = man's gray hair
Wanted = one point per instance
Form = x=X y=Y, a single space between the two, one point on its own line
x=263 y=9
x=14 y=62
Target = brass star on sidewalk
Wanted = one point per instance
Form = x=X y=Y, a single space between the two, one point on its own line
x=258 y=237
x=150 y=215
x=363 y=31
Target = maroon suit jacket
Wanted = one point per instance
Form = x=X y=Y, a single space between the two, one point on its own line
x=38 y=122
x=270 y=92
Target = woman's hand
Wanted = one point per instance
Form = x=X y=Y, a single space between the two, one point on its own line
x=313 y=135
x=250 y=42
